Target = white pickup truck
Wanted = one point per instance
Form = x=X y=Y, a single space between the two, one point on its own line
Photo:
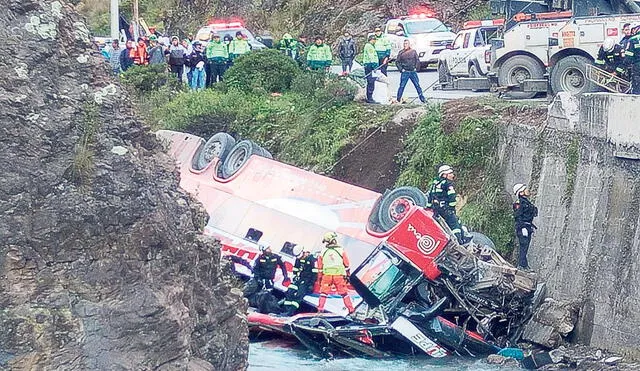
x=428 y=36
x=470 y=54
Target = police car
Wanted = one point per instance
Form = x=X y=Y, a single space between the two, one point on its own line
x=470 y=54
x=428 y=35
x=227 y=29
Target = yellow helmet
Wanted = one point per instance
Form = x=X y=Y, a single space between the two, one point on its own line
x=330 y=237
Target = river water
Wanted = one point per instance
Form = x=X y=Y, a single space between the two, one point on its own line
x=283 y=355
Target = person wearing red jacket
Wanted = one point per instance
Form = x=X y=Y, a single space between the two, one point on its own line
x=141 y=56
x=333 y=268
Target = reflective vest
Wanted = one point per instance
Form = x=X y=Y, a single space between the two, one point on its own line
x=383 y=46
x=238 y=47
x=217 y=51
x=319 y=56
x=332 y=262
x=369 y=56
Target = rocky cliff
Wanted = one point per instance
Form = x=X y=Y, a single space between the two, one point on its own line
x=102 y=265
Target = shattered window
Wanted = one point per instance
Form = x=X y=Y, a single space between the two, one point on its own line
x=382 y=276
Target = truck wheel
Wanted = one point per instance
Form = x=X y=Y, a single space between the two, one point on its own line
x=238 y=157
x=517 y=69
x=219 y=145
x=396 y=205
x=569 y=74
x=443 y=74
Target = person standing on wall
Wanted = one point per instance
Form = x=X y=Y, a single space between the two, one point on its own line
x=524 y=211
x=442 y=198
x=408 y=63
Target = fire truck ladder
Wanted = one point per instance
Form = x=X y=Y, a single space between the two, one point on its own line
x=607 y=80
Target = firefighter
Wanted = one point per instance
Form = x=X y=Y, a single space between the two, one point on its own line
x=383 y=49
x=304 y=278
x=333 y=268
x=289 y=46
x=632 y=59
x=441 y=197
x=264 y=271
x=610 y=57
x=524 y=212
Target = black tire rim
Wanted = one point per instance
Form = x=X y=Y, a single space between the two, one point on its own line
x=400 y=207
x=572 y=80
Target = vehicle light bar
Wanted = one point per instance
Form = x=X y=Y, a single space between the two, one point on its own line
x=484 y=23
x=218 y=26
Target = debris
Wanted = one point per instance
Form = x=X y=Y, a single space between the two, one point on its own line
x=612 y=361
x=551 y=323
x=119 y=150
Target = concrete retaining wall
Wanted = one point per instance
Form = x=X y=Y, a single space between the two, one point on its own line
x=584 y=171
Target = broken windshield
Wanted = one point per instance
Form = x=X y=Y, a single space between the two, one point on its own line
x=382 y=276
x=424 y=26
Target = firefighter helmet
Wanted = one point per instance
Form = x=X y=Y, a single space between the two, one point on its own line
x=519 y=188
x=444 y=170
x=263 y=246
x=297 y=250
x=330 y=237
x=608 y=44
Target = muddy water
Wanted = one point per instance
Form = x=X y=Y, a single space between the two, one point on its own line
x=282 y=355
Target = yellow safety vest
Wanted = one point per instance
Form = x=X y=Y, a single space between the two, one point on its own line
x=332 y=264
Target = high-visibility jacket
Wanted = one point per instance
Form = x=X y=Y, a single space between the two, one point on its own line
x=369 y=56
x=333 y=261
x=632 y=54
x=319 y=56
x=383 y=46
x=442 y=195
x=238 y=47
x=217 y=52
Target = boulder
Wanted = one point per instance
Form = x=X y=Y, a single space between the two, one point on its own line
x=551 y=322
x=102 y=261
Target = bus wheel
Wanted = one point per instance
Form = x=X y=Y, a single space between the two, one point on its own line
x=396 y=205
x=219 y=145
x=239 y=156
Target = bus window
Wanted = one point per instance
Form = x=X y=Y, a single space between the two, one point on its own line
x=287 y=248
x=253 y=235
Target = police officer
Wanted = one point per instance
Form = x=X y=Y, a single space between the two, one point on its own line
x=524 y=212
x=383 y=49
x=632 y=59
x=610 y=57
x=370 y=62
x=441 y=197
x=238 y=46
x=305 y=274
x=264 y=271
x=333 y=266
x=217 y=57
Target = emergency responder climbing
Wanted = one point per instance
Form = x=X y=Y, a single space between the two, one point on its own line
x=383 y=48
x=289 y=46
x=370 y=62
x=319 y=55
x=239 y=46
x=610 y=57
x=524 y=212
x=632 y=60
x=305 y=274
x=217 y=58
x=333 y=267
x=264 y=271
x=441 y=197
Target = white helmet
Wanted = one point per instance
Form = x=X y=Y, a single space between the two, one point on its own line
x=297 y=250
x=264 y=245
x=444 y=169
x=608 y=44
x=519 y=188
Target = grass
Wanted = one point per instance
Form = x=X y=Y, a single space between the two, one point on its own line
x=472 y=151
x=83 y=163
x=571 y=166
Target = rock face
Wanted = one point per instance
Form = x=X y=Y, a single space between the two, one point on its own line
x=102 y=265
x=551 y=323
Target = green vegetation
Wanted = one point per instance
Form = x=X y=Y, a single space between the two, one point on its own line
x=472 y=150
x=270 y=72
x=80 y=170
x=306 y=123
x=571 y=166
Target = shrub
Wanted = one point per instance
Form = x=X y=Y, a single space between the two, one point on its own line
x=145 y=79
x=324 y=88
x=264 y=70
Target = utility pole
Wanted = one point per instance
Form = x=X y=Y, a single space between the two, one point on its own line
x=136 y=20
x=115 y=20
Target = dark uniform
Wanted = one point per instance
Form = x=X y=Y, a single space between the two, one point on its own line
x=611 y=61
x=305 y=274
x=264 y=271
x=524 y=212
x=442 y=199
x=632 y=59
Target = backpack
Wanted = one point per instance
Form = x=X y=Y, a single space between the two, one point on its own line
x=176 y=57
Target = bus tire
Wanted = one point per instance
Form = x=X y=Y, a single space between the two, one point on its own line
x=238 y=157
x=396 y=205
x=219 y=145
x=517 y=69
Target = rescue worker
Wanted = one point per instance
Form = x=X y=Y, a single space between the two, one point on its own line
x=632 y=59
x=289 y=46
x=610 y=57
x=217 y=58
x=347 y=51
x=226 y=40
x=305 y=274
x=333 y=267
x=319 y=55
x=441 y=197
x=239 y=46
x=370 y=62
x=141 y=56
x=383 y=48
x=524 y=212
x=624 y=42
x=264 y=271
